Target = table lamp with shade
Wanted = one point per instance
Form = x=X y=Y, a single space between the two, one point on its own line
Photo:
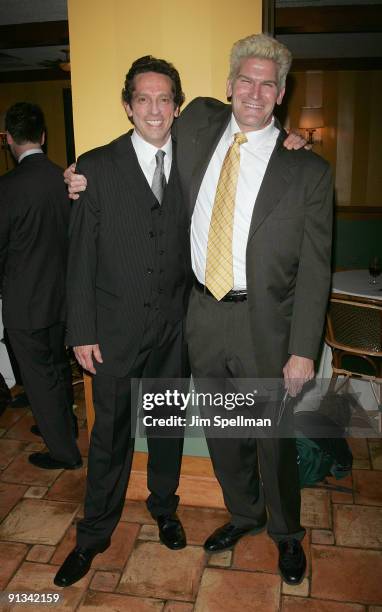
x=311 y=119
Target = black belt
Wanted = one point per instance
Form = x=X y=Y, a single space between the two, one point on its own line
x=231 y=296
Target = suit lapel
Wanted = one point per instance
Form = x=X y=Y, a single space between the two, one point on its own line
x=126 y=161
x=173 y=169
x=279 y=173
x=206 y=141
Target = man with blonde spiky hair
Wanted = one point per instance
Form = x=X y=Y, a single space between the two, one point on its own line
x=262 y=47
x=260 y=248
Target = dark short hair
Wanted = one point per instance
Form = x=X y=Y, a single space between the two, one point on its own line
x=148 y=63
x=25 y=122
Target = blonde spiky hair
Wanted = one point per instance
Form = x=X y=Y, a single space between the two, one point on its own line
x=264 y=47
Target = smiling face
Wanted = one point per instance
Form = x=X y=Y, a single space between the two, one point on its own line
x=254 y=92
x=152 y=108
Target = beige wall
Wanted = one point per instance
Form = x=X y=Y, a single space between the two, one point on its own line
x=48 y=95
x=352 y=138
x=105 y=37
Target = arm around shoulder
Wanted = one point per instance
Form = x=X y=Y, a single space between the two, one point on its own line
x=76 y=182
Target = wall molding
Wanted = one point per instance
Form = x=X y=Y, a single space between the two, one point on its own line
x=28 y=76
x=336 y=63
x=328 y=19
x=36 y=34
x=358 y=212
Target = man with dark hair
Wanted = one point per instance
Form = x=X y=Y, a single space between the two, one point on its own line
x=26 y=123
x=151 y=64
x=33 y=249
x=128 y=284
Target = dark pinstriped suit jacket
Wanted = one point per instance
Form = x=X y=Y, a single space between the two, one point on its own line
x=34 y=219
x=115 y=256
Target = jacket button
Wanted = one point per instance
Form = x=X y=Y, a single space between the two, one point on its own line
x=161 y=252
x=146 y=305
x=149 y=270
x=151 y=234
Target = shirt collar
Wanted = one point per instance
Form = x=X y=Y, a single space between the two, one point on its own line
x=29 y=152
x=147 y=150
x=255 y=137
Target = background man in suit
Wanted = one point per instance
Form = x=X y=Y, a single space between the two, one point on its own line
x=33 y=249
x=128 y=285
x=262 y=313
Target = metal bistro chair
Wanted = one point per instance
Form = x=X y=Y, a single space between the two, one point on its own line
x=354 y=333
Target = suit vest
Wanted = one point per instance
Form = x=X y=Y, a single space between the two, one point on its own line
x=169 y=270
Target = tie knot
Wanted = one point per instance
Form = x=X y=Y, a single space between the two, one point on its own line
x=159 y=156
x=240 y=138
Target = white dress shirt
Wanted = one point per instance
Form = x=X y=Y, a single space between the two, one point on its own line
x=29 y=152
x=146 y=156
x=254 y=158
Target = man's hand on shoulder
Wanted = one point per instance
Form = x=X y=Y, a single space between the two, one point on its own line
x=84 y=355
x=297 y=371
x=295 y=141
x=75 y=182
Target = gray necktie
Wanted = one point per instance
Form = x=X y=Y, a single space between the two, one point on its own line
x=159 y=179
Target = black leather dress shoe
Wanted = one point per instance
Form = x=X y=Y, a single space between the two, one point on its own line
x=292 y=561
x=76 y=566
x=45 y=461
x=226 y=536
x=171 y=532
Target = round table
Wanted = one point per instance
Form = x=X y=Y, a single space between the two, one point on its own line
x=352 y=283
x=357 y=283
x=5 y=364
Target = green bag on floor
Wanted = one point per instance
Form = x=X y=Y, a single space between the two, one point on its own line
x=320 y=457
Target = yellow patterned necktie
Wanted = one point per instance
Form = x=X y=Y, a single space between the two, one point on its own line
x=219 y=266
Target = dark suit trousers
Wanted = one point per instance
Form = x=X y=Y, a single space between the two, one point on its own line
x=46 y=376
x=163 y=354
x=220 y=349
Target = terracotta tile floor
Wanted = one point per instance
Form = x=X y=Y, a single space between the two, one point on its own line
x=38 y=511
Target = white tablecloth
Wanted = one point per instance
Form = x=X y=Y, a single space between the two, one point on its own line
x=5 y=364
x=357 y=282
